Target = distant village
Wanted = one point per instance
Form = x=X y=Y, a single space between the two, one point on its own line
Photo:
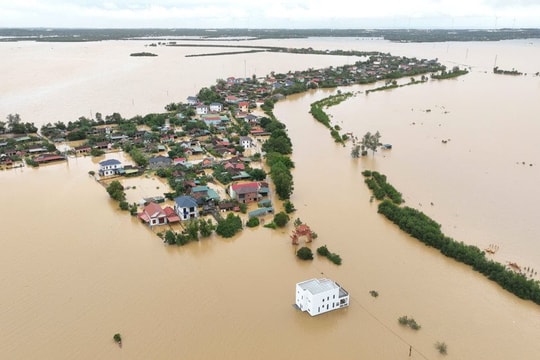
x=220 y=135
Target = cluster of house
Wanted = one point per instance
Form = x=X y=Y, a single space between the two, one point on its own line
x=240 y=94
x=19 y=147
x=203 y=200
x=185 y=208
x=199 y=197
x=246 y=93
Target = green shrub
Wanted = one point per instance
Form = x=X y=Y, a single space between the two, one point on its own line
x=253 y=222
x=289 y=207
x=323 y=251
x=410 y=322
x=124 y=205
x=229 y=226
x=335 y=258
x=375 y=294
x=441 y=346
x=281 y=219
x=304 y=253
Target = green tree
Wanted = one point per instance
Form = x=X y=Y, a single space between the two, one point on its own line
x=96 y=152
x=116 y=190
x=253 y=222
x=138 y=157
x=124 y=205
x=182 y=239
x=208 y=96
x=305 y=253
x=257 y=174
x=170 y=237
x=206 y=227
x=14 y=123
x=229 y=226
x=283 y=180
x=289 y=207
x=371 y=141
x=192 y=230
x=323 y=251
x=133 y=208
x=355 y=152
x=281 y=219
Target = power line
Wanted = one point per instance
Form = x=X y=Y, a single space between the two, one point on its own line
x=411 y=347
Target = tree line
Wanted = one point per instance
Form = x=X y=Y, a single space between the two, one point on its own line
x=420 y=226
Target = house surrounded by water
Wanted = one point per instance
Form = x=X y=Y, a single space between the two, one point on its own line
x=317 y=296
x=110 y=167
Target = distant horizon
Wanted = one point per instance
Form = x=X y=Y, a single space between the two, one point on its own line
x=263 y=28
x=265 y=14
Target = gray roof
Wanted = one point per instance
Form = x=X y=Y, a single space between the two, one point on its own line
x=109 y=162
x=185 y=201
x=159 y=159
x=316 y=286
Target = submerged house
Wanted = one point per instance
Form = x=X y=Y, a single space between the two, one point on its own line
x=186 y=207
x=153 y=214
x=245 y=193
x=110 y=167
x=317 y=296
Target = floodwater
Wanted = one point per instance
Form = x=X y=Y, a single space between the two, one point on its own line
x=75 y=270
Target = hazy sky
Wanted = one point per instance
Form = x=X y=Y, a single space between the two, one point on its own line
x=271 y=14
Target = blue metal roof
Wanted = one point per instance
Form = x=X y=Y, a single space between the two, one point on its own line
x=185 y=201
x=109 y=162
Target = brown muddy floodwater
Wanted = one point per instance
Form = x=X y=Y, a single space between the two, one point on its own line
x=75 y=270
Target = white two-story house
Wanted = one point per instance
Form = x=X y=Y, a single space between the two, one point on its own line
x=216 y=107
x=317 y=296
x=110 y=167
x=186 y=207
x=201 y=109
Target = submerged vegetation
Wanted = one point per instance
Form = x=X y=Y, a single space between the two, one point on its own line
x=381 y=189
x=305 y=253
x=144 y=53
x=118 y=339
x=317 y=111
x=498 y=71
x=410 y=322
x=335 y=258
x=455 y=72
x=441 y=347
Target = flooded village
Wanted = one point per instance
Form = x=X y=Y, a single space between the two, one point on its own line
x=85 y=263
x=209 y=149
